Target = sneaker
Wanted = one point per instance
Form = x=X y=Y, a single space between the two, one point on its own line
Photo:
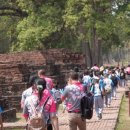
x=108 y=106
x=98 y=118
x=105 y=105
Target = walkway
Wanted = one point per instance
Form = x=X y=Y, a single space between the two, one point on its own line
x=108 y=122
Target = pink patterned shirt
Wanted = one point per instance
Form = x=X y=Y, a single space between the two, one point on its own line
x=73 y=94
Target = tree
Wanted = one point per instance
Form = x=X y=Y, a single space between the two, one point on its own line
x=89 y=18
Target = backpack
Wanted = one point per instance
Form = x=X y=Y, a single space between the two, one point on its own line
x=114 y=80
x=107 y=87
x=57 y=96
x=122 y=75
x=86 y=83
x=102 y=89
x=37 y=120
x=86 y=105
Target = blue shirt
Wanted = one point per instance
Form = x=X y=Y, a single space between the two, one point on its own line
x=96 y=89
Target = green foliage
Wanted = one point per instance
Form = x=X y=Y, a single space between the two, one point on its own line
x=39 y=25
x=60 y=23
x=7 y=33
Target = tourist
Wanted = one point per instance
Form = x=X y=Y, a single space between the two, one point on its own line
x=28 y=92
x=39 y=98
x=56 y=93
x=117 y=71
x=115 y=79
x=122 y=77
x=51 y=86
x=97 y=90
x=106 y=70
x=95 y=67
x=72 y=95
x=108 y=87
x=50 y=109
x=128 y=70
x=49 y=83
x=86 y=81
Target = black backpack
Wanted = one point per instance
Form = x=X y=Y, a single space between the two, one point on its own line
x=86 y=104
x=114 y=80
x=122 y=75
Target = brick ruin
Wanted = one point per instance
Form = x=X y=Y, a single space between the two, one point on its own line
x=16 y=68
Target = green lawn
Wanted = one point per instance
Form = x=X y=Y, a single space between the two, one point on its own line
x=124 y=118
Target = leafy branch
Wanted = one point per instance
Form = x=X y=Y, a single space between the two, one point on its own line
x=12 y=11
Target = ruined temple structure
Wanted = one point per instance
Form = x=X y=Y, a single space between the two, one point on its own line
x=16 y=68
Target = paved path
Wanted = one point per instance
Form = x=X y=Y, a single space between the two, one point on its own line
x=108 y=122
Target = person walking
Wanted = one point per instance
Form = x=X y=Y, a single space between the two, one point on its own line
x=39 y=98
x=115 y=80
x=122 y=77
x=108 y=88
x=86 y=81
x=49 y=82
x=97 y=90
x=28 y=92
x=72 y=94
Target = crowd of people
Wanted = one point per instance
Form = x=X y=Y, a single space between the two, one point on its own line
x=45 y=95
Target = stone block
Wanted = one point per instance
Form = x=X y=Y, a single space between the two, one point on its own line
x=9 y=115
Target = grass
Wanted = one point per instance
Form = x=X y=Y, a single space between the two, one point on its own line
x=124 y=118
x=20 y=118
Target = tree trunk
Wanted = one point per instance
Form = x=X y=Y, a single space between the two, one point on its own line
x=96 y=49
x=87 y=52
x=100 y=57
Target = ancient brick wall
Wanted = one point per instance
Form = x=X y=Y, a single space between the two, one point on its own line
x=59 y=56
x=16 y=68
x=30 y=58
x=13 y=72
x=63 y=56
